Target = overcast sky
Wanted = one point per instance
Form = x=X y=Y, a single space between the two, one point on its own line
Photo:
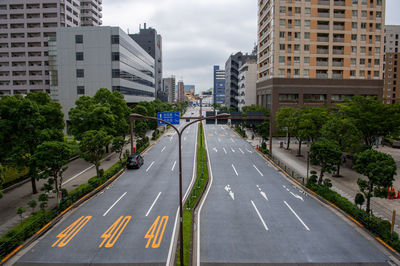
x=198 y=34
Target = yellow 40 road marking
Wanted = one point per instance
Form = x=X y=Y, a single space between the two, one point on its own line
x=115 y=230
x=68 y=233
x=157 y=226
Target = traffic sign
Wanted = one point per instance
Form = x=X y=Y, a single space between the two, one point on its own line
x=171 y=117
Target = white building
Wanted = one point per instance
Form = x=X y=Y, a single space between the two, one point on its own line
x=247 y=84
x=85 y=59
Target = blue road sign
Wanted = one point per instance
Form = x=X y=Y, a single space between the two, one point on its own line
x=171 y=117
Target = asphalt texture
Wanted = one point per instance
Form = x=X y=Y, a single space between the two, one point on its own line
x=254 y=216
x=131 y=221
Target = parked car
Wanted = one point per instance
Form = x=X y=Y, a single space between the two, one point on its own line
x=134 y=161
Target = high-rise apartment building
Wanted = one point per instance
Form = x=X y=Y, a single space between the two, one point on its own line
x=25 y=29
x=319 y=51
x=219 y=85
x=84 y=59
x=247 y=83
x=181 y=91
x=151 y=42
x=391 y=91
x=232 y=66
x=91 y=12
x=169 y=86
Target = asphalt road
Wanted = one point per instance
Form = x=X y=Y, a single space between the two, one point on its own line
x=253 y=215
x=130 y=222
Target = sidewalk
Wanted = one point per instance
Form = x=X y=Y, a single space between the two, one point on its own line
x=79 y=172
x=345 y=185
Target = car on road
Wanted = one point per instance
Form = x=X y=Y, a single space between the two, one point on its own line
x=134 y=161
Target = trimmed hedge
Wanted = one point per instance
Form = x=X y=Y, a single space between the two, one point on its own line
x=378 y=226
x=241 y=132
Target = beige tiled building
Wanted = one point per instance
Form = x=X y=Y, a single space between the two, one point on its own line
x=314 y=52
x=391 y=91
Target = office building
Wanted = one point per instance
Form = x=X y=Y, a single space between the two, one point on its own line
x=151 y=42
x=391 y=91
x=247 y=83
x=84 y=59
x=219 y=85
x=181 y=92
x=319 y=51
x=25 y=29
x=169 y=87
x=232 y=66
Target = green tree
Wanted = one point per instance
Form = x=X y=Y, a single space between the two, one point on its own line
x=32 y=204
x=118 y=144
x=343 y=132
x=216 y=106
x=255 y=108
x=51 y=157
x=286 y=120
x=43 y=199
x=1 y=180
x=327 y=154
x=20 y=212
x=93 y=146
x=312 y=119
x=379 y=168
x=372 y=118
x=359 y=199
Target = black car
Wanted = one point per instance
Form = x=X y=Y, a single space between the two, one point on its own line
x=134 y=161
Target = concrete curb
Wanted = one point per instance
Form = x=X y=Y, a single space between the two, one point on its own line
x=327 y=202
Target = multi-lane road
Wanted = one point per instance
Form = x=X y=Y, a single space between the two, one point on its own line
x=132 y=221
x=250 y=214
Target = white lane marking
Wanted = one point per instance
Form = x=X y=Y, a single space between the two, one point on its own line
x=235 y=169
x=114 y=204
x=172 y=169
x=224 y=150
x=290 y=208
x=163 y=149
x=264 y=195
x=232 y=149
x=149 y=166
x=259 y=215
x=258 y=170
x=296 y=196
x=241 y=150
x=232 y=140
x=215 y=149
x=151 y=207
x=249 y=150
x=229 y=190
x=219 y=140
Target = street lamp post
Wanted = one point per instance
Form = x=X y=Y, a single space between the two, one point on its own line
x=137 y=117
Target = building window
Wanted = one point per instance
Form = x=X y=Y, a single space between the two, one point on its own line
x=297 y=22
x=297 y=47
x=377 y=62
x=362 y=61
x=282 y=10
x=79 y=56
x=363 y=37
x=354 y=37
x=80 y=90
x=362 y=74
x=282 y=34
x=363 y=13
x=282 y=22
x=297 y=10
x=115 y=73
x=297 y=35
x=78 y=38
x=282 y=47
x=297 y=72
x=353 y=61
x=281 y=72
x=377 y=38
x=281 y=59
x=115 y=56
x=352 y=73
x=378 y=26
x=307 y=11
x=354 y=25
x=354 y=13
x=296 y=59
x=377 y=50
x=306 y=72
x=306 y=35
x=114 y=39
x=80 y=73
x=355 y=2
x=307 y=47
x=307 y=23
x=354 y=49
x=306 y=60
x=376 y=74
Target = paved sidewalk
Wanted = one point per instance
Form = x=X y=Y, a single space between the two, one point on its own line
x=79 y=172
x=345 y=185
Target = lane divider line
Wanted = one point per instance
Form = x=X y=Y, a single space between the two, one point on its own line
x=152 y=205
x=235 y=170
x=259 y=216
x=163 y=149
x=241 y=150
x=149 y=166
x=258 y=170
x=172 y=169
x=114 y=204
x=290 y=208
x=224 y=150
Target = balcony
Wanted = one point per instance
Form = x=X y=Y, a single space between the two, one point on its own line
x=338 y=51
x=338 y=27
x=322 y=51
x=322 y=63
x=323 y=27
x=339 y=15
x=323 y=39
x=322 y=75
x=339 y=2
x=323 y=15
x=338 y=63
x=338 y=39
x=324 y=2
x=337 y=76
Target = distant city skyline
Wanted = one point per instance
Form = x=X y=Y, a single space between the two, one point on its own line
x=200 y=37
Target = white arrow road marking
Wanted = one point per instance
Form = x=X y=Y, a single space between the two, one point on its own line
x=229 y=190
x=172 y=169
x=151 y=207
x=235 y=169
x=224 y=150
x=258 y=170
x=219 y=140
x=259 y=215
x=114 y=204
x=232 y=140
x=249 y=150
x=264 y=195
x=296 y=196
x=149 y=166
x=215 y=149
x=232 y=149
x=241 y=150
x=290 y=208
x=163 y=149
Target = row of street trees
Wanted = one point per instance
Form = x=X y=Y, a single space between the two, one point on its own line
x=352 y=128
